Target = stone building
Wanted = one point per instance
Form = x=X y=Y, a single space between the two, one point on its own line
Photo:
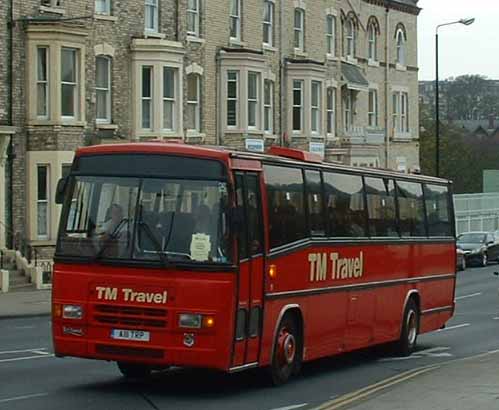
x=337 y=77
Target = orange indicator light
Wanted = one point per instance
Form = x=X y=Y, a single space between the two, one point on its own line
x=272 y=271
x=57 y=310
x=208 y=321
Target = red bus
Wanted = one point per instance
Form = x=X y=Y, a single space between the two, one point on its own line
x=177 y=255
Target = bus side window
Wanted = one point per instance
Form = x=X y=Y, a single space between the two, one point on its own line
x=437 y=210
x=380 y=193
x=285 y=204
x=411 y=209
x=315 y=203
x=345 y=210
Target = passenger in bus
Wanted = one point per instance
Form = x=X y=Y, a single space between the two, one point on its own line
x=115 y=229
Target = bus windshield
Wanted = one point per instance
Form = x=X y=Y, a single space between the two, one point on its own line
x=146 y=219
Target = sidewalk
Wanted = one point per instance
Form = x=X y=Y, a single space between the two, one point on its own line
x=25 y=303
x=465 y=384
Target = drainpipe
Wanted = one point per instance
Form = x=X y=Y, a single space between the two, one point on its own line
x=387 y=88
x=10 y=149
x=282 y=80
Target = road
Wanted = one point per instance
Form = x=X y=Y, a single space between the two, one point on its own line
x=31 y=378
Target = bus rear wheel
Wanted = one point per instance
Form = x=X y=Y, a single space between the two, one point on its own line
x=287 y=356
x=410 y=329
x=134 y=370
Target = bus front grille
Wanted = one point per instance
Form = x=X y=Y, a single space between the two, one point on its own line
x=130 y=316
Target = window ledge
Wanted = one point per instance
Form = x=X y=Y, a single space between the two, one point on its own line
x=195 y=134
x=270 y=136
x=154 y=34
x=400 y=67
x=331 y=57
x=106 y=126
x=236 y=42
x=53 y=10
x=105 y=17
x=300 y=53
x=254 y=132
x=42 y=242
x=58 y=123
x=351 y=60
x=268 y=47
x=373 y=63
x=195 y=39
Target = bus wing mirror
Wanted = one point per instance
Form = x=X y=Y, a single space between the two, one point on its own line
x=61 y=189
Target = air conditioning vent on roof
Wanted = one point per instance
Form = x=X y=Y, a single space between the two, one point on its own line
x=295 y=154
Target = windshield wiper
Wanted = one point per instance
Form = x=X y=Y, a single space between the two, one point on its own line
x=112 y=236
x=155 y=242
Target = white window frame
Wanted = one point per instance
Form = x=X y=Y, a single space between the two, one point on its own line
x=372 y=43
x=75 y=85
x=255 y=101
x=194 y=12
x=404 y=112
x=315 y=108
x=149 y=98
x=331 y=111
x=45 y=201
x=235 y=18
x=299 y=31
x=236 y=98
x=268 y=106
x=372 y=108
x=169 y=100
x=196 y=104
x=401 y=49
x=350 y=39
x=331 y=35
x=105 y=10
x=348 y=110
x=45 y=83
x=301 y=88
x=107 y=90
x=151 y=5
x=268 y=25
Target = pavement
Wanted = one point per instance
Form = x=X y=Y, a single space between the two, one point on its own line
x=25 y=304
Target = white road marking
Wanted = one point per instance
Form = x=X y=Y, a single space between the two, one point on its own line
x=440 y=351
x=468 y=296
x=495 y=318
x=36 y=349
x=296 y=406
x=454 y=327
x=16 y=359
x=28 y=396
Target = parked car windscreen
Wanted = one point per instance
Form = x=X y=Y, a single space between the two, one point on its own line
x=471 y=238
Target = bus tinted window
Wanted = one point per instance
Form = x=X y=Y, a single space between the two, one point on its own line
x=381 y=206
x=285 y=204
x=345 y=211
x=437 y=210
x=411 y=209
x=315 y=204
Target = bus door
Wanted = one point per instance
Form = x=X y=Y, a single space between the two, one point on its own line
x=251 y=269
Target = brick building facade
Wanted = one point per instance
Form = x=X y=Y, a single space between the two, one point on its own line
x=338 y=77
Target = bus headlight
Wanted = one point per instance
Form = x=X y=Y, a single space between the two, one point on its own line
x=188 y=320
x=72 y=312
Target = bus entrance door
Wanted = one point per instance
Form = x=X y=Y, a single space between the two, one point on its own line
x=251 y=269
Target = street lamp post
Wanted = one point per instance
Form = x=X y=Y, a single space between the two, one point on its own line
x=466 y=22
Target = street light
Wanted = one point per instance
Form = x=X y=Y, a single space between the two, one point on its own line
x=465 y=22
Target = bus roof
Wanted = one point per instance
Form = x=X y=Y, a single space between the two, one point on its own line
x=285 y=156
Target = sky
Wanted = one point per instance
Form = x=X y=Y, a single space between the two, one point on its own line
x=462 y=49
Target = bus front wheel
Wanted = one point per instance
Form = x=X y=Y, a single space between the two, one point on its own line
x=410 y=329
x=286 y=359
x=133 y=370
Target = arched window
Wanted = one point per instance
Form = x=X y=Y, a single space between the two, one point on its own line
x=401 y=40
x=350 y=38
x=372 y=42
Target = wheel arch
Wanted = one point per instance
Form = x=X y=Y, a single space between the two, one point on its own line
x=413 y=294
x=295 y=310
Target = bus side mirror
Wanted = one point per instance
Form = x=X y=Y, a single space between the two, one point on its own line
x=61 y=189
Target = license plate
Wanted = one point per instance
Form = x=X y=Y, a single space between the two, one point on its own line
x=138 y=335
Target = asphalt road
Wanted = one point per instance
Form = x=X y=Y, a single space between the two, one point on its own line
x=31 y=378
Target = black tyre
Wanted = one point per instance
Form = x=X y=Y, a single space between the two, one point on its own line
x=288 y=347
x=410 y=329
x=133 y=370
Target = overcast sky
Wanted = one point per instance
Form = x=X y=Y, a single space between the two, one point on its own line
x=463 y=49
